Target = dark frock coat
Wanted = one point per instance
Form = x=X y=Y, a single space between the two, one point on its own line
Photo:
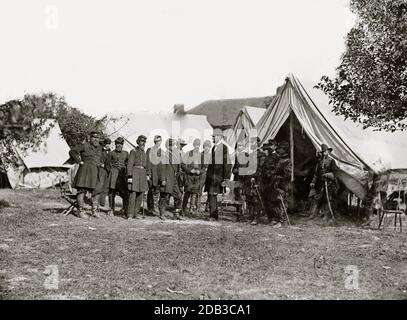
x=218 y=170
x=168 y=170
x=192 y=161
x=136 y=169
x=87 y=174
x=153 y=159
x=116 y=164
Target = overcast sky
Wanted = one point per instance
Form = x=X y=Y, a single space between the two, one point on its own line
x=122 y=56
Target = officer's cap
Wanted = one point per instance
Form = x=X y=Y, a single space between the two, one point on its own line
x=182 y=142
x=119 y=140
x=141 y=138
x=94 y=134
x=107 y=141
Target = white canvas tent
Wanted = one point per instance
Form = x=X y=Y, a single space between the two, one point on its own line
x=185 y=126
x=294 y=116
x=245 y=121
x=42 y=167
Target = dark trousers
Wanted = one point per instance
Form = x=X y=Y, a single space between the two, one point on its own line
x=213 y=205
x=237 y=193
x=80 y=197
x=152 y=194
x=124 y=194
x=253 y=207
x=277 y=210
x=135 y=200
x=165 y=201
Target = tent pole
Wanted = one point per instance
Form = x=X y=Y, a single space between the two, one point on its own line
x=292 y=158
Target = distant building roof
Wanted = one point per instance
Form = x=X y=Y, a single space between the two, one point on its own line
x=223 y=113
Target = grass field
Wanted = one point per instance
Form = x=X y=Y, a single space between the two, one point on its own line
x=114 y=258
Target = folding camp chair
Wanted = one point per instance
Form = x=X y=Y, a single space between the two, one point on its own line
x=68 y=195
x=398 y=212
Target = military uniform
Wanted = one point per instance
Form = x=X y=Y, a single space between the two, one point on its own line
x=240 y=162
x=87 y=174
x=250 y=179
x=168 y=172
x=267 y=172
x=89 y=156
x=324 y=173
x=102 y=185
x=181 y=174
x=281 y=186
x=192 y=167
x=153 y=158
x=117 y=179
x=206 y=159
x=136 y=170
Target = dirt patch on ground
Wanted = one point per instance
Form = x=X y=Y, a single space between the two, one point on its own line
x=45 y=255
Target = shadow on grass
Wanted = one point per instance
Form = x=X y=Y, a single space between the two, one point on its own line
x=55 y=210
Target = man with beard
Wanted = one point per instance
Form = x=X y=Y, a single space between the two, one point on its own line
x=116 y=165
x=219 y=170
x=137 y=177
x=153 y=159
x=88 y=156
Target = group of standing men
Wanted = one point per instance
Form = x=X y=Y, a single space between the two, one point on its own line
x=162 y=174
x=264 y=173
x=266 y=177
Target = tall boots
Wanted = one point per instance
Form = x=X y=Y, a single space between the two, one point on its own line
x=198 y=203
x=192 y=205
x=162 y=205
x=80 y=198
x=192 y=198
x=95 y=206
x=253 y=214
x=111 y=203
x=250 y=214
